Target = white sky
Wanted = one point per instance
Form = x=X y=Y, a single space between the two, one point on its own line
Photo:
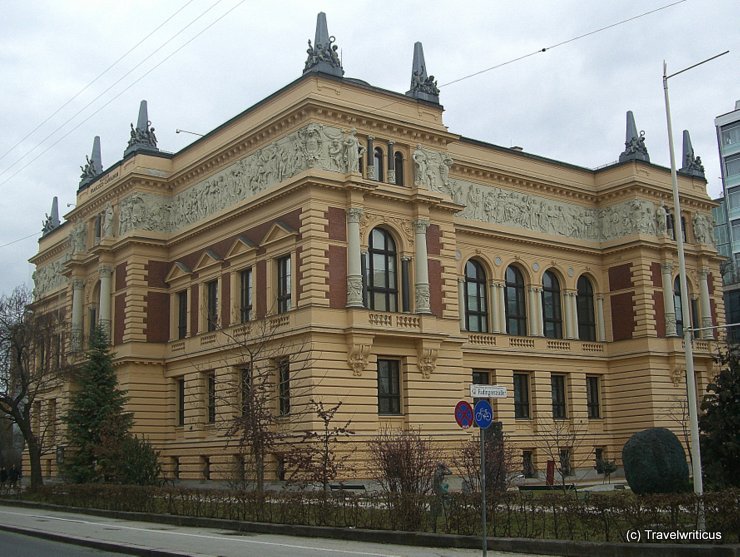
x=568 y=103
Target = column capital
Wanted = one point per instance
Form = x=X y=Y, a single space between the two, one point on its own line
x=421 y=225
x=354 y=214
x=105 y=271
x=703 y=273
x=78 y=283
x=666 y=267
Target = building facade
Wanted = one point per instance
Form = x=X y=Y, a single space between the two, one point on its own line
x=727 y=215
x=370 y=256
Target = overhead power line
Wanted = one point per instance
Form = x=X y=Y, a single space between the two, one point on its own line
x=573 y=39
x=89 y=84
x=119 y=80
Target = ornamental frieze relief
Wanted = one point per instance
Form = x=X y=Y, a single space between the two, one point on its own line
x=314 y=146
x=49 y=277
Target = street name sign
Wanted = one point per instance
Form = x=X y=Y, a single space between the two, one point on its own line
x=488 y=391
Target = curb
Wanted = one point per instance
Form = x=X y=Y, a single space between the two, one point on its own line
x=565 y=548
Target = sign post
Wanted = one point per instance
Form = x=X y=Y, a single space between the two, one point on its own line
x=483 y=418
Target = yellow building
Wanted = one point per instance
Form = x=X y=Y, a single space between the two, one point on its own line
x=390 y=263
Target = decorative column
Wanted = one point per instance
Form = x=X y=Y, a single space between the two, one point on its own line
x=534 y=314
x=421 y=286
x=495 y=307
x=706 y=307
x=391 y=164
x=502 y=306
x=354 y=265
x=78 y=292
x=600 y=325
x=106 y=274
x=370 y=159
x=538 y=311
x=670 y=309
x=571 y=315
x=461 y=302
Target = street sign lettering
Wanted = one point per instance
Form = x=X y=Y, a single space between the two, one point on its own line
x=488 y=391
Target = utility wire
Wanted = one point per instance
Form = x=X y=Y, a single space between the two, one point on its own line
x=124 y=76
x=576 y=38
x=19 y=240
x=178 y=49
x=101 y=74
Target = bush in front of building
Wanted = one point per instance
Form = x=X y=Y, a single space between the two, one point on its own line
x=654 y=462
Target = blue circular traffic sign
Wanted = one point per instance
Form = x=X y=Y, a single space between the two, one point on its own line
x=464 y=414
x=483 y=413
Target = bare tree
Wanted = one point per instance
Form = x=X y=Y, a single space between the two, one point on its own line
x=500 y=454
x=30 y=362
x=678 y=413
x=263 y=393
x=313 y=458
x=560 y=441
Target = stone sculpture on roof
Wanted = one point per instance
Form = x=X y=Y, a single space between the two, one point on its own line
x=93 y=166
x=635 y=149
x=323 y=54
x=142 y=136
x=422 y=86
x=690 y=163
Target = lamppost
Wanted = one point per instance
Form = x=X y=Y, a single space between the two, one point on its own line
x=688 y=347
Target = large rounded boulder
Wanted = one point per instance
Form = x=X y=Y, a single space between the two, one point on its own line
x=654 y=462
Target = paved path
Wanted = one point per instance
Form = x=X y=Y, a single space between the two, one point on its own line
x=165 y=540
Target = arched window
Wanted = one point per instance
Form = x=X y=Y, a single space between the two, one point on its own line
x=398 y=164
x=678 y=306
x=476 y=307
x=516 y=316
x=382 y=282
x=378 y=162
x=551 y=315
x=585 y=309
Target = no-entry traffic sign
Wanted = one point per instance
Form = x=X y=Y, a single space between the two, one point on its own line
x=464 y=414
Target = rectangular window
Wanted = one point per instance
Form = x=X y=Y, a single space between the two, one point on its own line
x=481 y=377
x=565 y=466
x=245 y=388
x=558 y=396
x=732 y=166
x=212 y=304
x=731 y=134
x=245 y=296
x=211 y=397
x=182 y=314
x=93 y=316
x=528 y=463
x=284 y=386
x=389 y=387
x=181 y=401
x=283 y=284
x=521 y=395
x=593 y=397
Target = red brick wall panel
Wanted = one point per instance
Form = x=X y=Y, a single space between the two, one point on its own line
x=659 y=315
x=620 y=277
x=120 y=276
x=337 y=227
x=337 y=267
x=623 y=316
x=260 y=288
x=157 y=317
x=118 y=322
x=194 y=309
x=433 y=240
x=435 y=287
x=225 y=299
x=156 y=272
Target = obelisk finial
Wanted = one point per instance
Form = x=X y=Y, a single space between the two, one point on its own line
x=690 y=164
x=142 y=136
x=635 y=149
x=422 y=86
x=322 y=55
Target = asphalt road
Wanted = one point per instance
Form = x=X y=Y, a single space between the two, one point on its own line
x=140 y=537
x=19 y=545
